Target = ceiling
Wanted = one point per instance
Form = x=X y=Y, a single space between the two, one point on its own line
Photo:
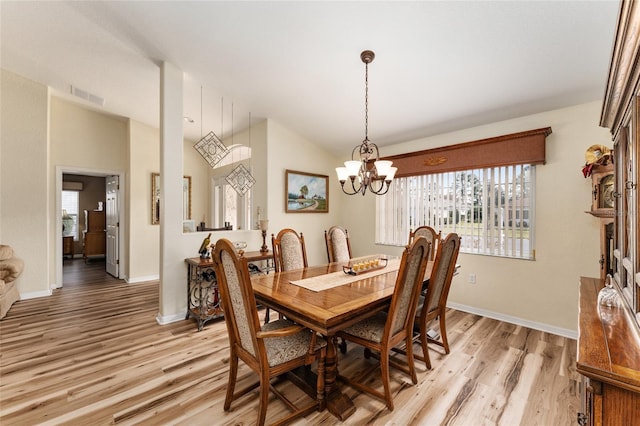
x=439 y=66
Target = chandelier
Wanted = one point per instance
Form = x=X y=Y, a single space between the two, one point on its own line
x=368 y=171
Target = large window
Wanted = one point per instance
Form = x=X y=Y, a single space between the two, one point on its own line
x=70 y=203
x=492 y=209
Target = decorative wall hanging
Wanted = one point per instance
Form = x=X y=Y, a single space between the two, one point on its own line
x=240 y=178
x=211 y=148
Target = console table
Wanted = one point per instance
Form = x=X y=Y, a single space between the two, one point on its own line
x=203 y=298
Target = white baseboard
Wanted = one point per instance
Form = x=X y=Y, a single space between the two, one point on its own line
x=571 y=334
x=141 y=279
x=163 y=320
x=35 y=294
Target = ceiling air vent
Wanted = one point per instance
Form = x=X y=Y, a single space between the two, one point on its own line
x=87 y=96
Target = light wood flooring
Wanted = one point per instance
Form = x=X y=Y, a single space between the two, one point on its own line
x=93 y=354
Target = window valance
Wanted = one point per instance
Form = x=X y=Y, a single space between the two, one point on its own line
x=517 y=148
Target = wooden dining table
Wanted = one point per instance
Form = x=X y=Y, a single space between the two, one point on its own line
x=328 y=311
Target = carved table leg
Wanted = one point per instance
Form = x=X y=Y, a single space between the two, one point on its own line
x=338 y=404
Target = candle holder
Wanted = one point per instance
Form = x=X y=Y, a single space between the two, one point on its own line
x=264 y=224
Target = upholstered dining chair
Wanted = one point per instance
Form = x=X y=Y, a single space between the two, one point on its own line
x=430 y=234
x=269 y=350
x=289 y=252
x=338 y=245
x=385 y=330
x=433 y=304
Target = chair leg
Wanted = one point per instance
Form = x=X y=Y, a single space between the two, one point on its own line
x=443 y=333
x=411 y=360
x=343 y=346
x=320 y=385
x=264 y=398
x=425 y=349
x=233 y=374
x=384 y=372
x=267 y=315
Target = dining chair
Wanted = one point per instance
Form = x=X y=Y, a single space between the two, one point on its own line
x=338 y=250
x=430 y=234
x=385 y=330
x=289 y=253
x=338 y=244
x=433 y=304
x=269 y=350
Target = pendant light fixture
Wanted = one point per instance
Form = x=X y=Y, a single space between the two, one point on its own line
x=361 y=172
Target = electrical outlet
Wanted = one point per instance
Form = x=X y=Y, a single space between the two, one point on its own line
x=472 y=278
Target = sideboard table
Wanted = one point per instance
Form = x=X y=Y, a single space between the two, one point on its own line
x=203 y=297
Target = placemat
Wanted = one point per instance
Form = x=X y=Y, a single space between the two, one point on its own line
x=336 y=279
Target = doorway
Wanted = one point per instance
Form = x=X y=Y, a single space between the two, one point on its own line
x=89 y=213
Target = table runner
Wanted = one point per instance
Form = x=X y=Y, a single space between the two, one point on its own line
x=336 y=279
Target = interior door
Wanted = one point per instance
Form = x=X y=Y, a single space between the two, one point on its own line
x=113 y=225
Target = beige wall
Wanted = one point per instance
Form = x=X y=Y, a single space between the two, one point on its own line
x=196 y=167
x=144 y=238
x=25 y=181
x=541 y=293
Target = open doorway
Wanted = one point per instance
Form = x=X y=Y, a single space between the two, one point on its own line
x=89 y=214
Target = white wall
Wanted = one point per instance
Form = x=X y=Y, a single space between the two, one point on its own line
x=541 y=293
x=25 y=181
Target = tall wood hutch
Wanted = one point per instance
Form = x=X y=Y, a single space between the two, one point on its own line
x=94 y=236
x=609 y=336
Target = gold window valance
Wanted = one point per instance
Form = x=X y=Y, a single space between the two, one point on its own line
x=517 y=148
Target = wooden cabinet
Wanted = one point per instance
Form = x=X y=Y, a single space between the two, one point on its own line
x=608 y=336
x=94 y=236
x=608 y=358
x=67 y=246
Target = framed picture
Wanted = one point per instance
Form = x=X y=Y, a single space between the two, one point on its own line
x=306 y=192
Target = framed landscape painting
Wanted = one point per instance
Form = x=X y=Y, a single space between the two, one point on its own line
x=306 y=192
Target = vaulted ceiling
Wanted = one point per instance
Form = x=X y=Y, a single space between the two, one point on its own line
x=439 y=66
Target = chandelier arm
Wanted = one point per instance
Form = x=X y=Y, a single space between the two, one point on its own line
x=343 y=190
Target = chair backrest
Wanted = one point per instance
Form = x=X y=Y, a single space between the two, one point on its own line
x=442 y=273
x=238 y=300
x=430 y=234
x=408 y=285
x=338 y=245
x=289 y=251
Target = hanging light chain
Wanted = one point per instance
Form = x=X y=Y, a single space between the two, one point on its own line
x=366 y=103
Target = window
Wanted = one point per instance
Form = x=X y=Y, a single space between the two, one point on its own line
x=230 y=207
x=70 y=207
x=492 y=209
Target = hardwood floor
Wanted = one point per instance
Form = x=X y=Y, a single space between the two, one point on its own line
x=93 y=354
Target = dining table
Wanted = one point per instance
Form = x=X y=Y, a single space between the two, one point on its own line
x=326 y=299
